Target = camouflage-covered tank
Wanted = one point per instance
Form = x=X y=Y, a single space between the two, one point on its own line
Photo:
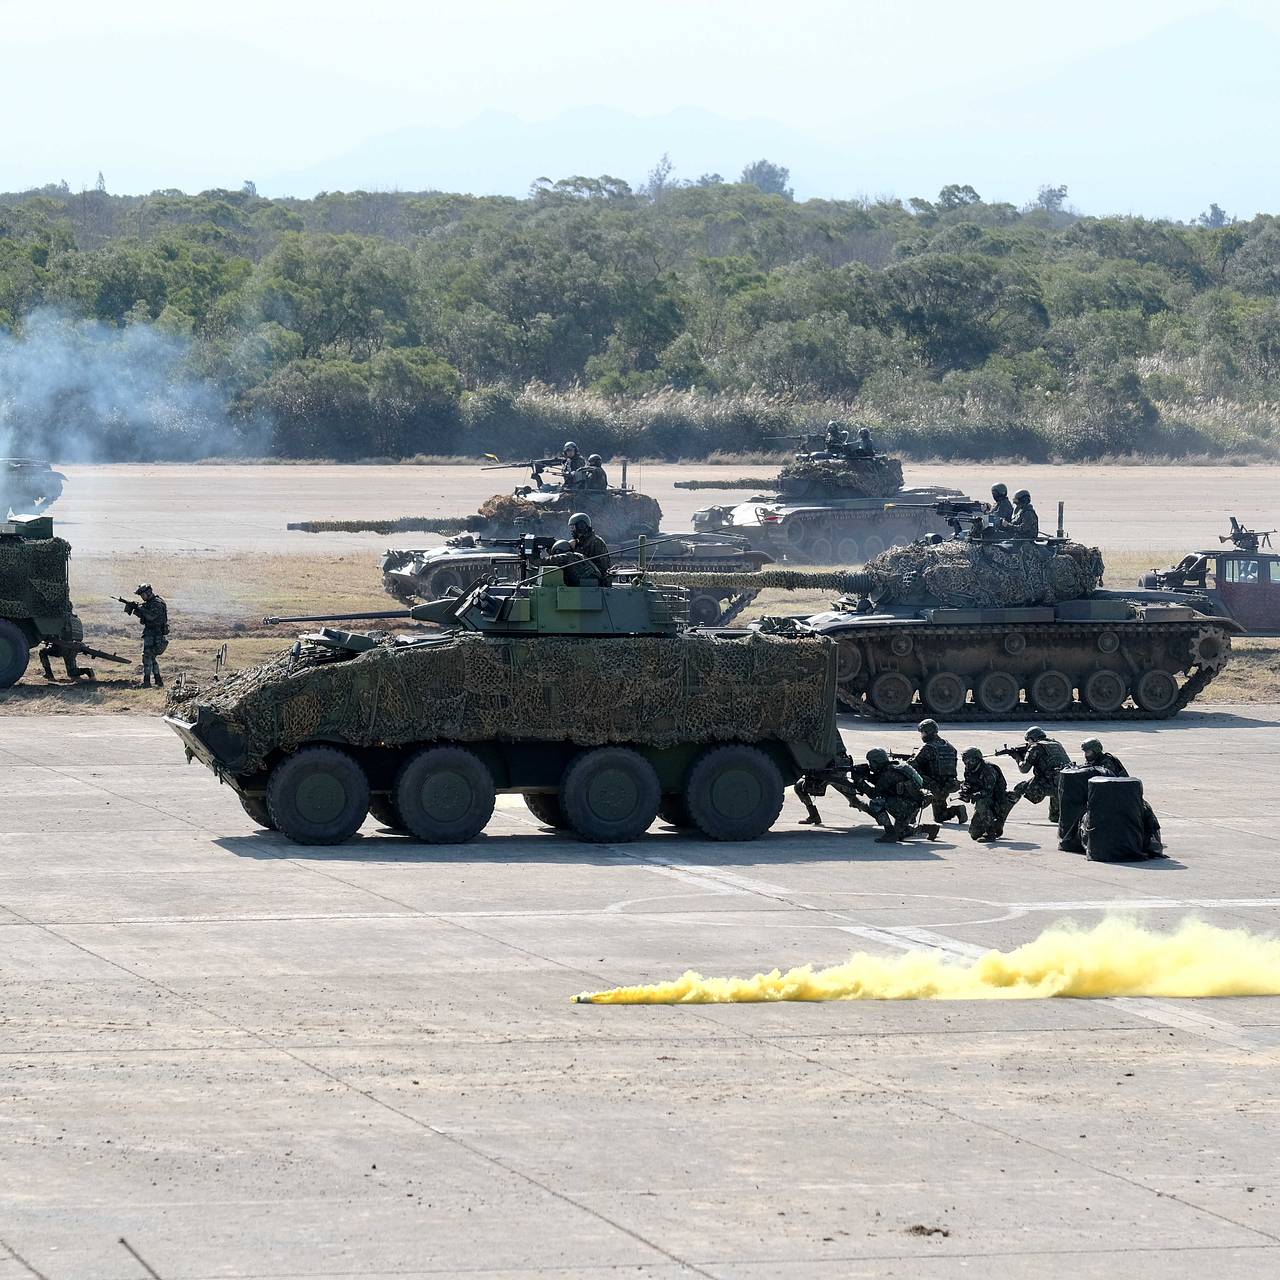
x=28 y=486
x=35 y=602
x=618 y=514
x=595 y=703
x=968 y=629
x=431 y=573
x=829 y=509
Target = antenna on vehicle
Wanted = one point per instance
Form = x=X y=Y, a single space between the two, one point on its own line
x=1061 y=531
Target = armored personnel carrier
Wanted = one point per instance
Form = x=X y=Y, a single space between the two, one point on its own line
x=596 y=703
x=35 y=602
x=432 y=573
x=830 y=508
x=27 y=486
x=618 y=514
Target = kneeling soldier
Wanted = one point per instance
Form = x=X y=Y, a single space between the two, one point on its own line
x=985 y=788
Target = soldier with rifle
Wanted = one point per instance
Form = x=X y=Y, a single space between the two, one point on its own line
x=1110 y=765
x=985 y=788
x=935 y=762
x=1043 y=758
x=572 y=465
x=897 y=796
x=153 y=613
x=850 y=781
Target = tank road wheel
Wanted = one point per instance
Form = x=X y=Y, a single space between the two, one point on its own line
x=442 y=581
x=821 y=551
x=444 y=795
x=945 y=693
x=997 y=693
x=546 y=808
x=610 y=795
x=872 y=547
x=704 y=609
x=383 y=809
x=1156 y=692
x=891 y=693
x=848 y=551
x=734 y=793
x=256 y=808
x=318 y=795
x=15 y=653
x=1051 y=692
x=848 y=660
x=1104 y=692
x=674 y=811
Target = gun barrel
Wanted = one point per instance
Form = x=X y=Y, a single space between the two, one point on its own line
x=340 y=617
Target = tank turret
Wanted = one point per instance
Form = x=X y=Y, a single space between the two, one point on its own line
x=28 y=486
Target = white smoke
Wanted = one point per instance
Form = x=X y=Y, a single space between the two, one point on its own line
x=74 y=390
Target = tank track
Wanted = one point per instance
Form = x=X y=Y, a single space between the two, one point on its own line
x=1191 y=689
x=734 y=606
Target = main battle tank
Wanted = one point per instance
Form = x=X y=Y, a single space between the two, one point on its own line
x=596 y=704
x=35 y=602
x=430 y=573
x=27 y=486
x=826 y=508
x=618 y=514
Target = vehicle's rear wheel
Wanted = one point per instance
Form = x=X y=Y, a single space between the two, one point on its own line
x=997 y=693
x=610 y=795
x=945 y=693
x=734 y=793
x=674 y=811
x=1156 y=691
x=891 y=693
x=383 y=809
x=318 y=795
x=1104 y=692
x=848 y=552
x=547 y=809
x=848 y=660
x=256 y=808
x=1051 y=691
x=15 y=653
x=821 y=551
x=704 y=609
x=444 y=795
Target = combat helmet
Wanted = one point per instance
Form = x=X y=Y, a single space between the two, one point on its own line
x=1035 y=734
x=143 y=589
x=561 y=547
x=595 y=460
x=569 y=444
x=928 y=728
x=971 y=754
x=1091 y=745
x=877 y=757
x=999 y=489
x=1023 y=495
x=580 y=522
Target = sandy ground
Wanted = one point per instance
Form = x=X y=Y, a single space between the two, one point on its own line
x=231 y=1056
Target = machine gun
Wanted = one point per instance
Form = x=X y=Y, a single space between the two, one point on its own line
x=1017 y=753
x=802 y=437
x=950 y=509
x=1247 y=539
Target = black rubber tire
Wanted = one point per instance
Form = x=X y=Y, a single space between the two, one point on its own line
x=15 y=653
x=318 y=795
x=382 y=809
x=256 y=808
x=442 y=580
x=674 y=811
x=704 y=609
x=610 y=795
x=734 y=792
x=444 y=795
x=546 y=808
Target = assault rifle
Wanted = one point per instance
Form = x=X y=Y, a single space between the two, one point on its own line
x=1014 y=753
x=803 y=437
x=1247 y=539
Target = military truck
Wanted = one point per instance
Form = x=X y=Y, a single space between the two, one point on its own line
x=1240 y=581
x=431 y=573
x=829 y=509
x=35 y=603
x=597 y=704
x=28 y=485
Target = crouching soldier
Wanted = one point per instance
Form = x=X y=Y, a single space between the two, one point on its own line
x=896 y=797
x=935 y=762
x=1094 y=755
x=1043 y=758
x=985 y=788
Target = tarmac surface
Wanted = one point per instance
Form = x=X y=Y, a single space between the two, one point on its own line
x=125 y=508
x=222 y=1054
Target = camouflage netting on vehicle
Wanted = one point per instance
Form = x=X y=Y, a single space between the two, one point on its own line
x=837 y=478
x=33 y=578
x=963 y=574
x=660 y=691
x=614 y=516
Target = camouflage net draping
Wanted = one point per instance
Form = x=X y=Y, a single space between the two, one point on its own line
x=837 y=478
x=33 y=578
x=466 y=688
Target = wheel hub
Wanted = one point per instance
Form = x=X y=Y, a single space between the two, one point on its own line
x=320 y=798
x=446 y=796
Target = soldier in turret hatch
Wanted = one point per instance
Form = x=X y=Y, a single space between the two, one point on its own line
x=1024 y=523
x=574 y=462
x=1001 y=507
x=576 y=570
x=836 y=441
x=865 y=446
x=587 y=542
x=593 y=475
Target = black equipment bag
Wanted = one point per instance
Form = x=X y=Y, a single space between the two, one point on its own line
x=1112 y=827
x=1073 y=798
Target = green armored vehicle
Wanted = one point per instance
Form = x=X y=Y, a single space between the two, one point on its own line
x=595 y=703
x=27 y=486
x=35 y=602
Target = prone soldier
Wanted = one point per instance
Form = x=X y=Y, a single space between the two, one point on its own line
x=985 y=788
x=897 y=796
x=153 y=613
x=1094 y=755
x=935 y=762
x=1043 y=758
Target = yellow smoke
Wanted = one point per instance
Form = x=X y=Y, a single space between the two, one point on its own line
x=1114 y=958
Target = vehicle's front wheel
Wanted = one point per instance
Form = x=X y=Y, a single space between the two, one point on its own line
x=735 y=793
x=444 y=795
x=256 y=808
x=610 y=795
x=15 y=653
x=318 y=795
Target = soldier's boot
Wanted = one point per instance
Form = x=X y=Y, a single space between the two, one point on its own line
x=813 y=820
x=929 y=831
x=890 y=834
x=1053 y=810
x=159 y=682
x=146 y=677
x=958 y=812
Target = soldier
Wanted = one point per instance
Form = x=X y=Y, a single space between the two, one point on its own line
x=1001 y=507
x=1024 y=523
x=935 y=762
x=573 y=463
x=836 y=441
x=593 y=475
x=865 y=447
x=576 y=570
x=811 y=785
x=588 y=543
x=984 y=786
x=897 y=796
x=1043 y=758
x=153 y=613
x=1094 y=755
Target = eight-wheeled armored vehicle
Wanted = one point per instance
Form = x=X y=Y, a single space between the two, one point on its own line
x=596 y=703
x=28 y=485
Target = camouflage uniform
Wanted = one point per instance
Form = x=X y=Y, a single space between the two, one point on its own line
x=897 y=796
x=935 y=762
x=1024 y=523
x=153 y=613
x=575 y=570
x=1045 y=758
x=1001 y=507
x=573 y=466
x=594 y=548
x=1104 y=760
x=593 y=475
x=985 y=787
x=865 y=447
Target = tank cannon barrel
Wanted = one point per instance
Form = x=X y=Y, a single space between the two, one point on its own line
x=745 y=482
x=772 y=579
x=405 y=524
x=372 y=616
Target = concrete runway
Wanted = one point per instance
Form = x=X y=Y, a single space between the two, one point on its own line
x=226 y=1055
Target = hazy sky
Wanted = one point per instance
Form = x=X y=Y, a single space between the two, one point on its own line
x=171 y=93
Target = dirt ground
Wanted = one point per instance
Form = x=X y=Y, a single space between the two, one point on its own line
x=212 y=540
